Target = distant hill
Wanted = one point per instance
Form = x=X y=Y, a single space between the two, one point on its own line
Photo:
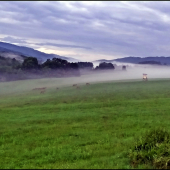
x=103 y=60
x=138 y=60
x=26 y=51
x=150 y=62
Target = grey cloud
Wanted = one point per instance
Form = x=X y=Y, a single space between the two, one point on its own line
x=126 y=30
x=62 y=45
x=13 y=40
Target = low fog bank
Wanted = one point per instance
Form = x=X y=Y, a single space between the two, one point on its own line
x=12 y=55
x=132 y=73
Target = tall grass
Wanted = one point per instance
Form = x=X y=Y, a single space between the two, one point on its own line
x=153 y=148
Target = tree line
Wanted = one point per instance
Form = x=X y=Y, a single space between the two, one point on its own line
x=12 y=69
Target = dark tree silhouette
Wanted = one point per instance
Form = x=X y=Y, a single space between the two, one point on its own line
x=105 y=66
x=123 y=67
x=30 y=63
x=85 y=65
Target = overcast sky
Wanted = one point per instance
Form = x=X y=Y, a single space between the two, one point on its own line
x=88 y=30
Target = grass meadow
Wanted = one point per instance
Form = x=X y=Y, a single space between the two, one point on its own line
x=91 y=127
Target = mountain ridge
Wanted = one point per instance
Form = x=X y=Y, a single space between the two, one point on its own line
x=136 y=60
x=10 y=50
x=27 y=51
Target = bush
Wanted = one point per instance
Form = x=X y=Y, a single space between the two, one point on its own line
x=153 y=148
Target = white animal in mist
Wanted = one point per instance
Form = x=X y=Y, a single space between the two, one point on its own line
x=145 y=77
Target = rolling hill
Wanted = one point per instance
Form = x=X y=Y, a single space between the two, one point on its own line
x=7 y=48
x=137 y=60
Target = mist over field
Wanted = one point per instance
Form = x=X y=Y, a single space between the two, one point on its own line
x=133 y=72
x=76 y=128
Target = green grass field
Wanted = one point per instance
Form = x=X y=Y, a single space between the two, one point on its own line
x=91 y=127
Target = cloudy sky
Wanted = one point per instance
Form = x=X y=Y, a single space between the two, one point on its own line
x=88 y=30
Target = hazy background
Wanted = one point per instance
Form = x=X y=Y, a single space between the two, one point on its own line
x=133 y=73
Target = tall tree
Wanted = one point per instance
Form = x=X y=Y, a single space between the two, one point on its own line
x=30 y=63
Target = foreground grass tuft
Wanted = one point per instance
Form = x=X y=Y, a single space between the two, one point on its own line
x=152 y=149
